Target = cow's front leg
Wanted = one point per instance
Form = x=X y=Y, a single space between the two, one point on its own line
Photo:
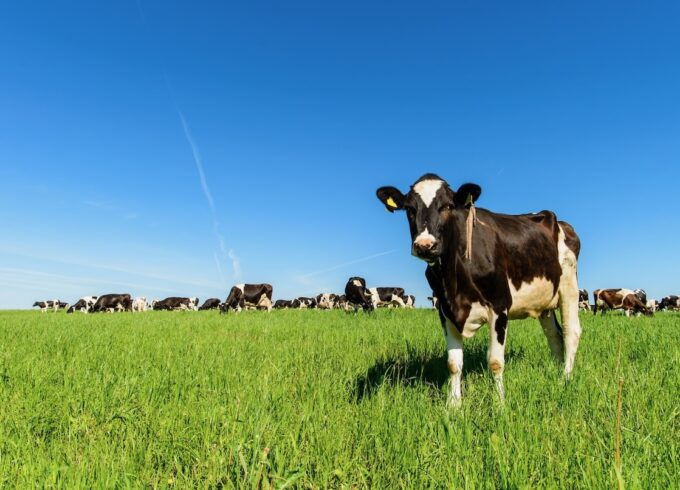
x=498 y=326
x=454 y=347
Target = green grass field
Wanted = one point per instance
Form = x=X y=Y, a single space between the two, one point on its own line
x=315 y=399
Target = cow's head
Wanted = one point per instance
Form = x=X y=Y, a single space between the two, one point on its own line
x=429 y=206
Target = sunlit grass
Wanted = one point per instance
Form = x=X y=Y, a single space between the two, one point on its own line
x=327 y=399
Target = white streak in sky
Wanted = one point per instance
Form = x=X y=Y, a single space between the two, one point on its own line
x=198 y=162
x=345 y=264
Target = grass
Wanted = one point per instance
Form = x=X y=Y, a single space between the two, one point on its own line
x=314 y=399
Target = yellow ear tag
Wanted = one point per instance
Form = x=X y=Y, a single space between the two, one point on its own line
x=391 y=203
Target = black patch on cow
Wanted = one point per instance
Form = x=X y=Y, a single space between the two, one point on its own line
x=501 y=327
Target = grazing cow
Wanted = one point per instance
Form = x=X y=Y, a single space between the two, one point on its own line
x=409 y=301
x=62 y=305
x=174 y=303
x=283 y=304
x=386 y=297
x=357 y=295
x=84 y=304
x=113 y=302
x=652 y=305
x=210 y=304
x=303 y=303
x=619 y=299
x=642 y=294
x=326 y=301
x=47 y=305
x=434 y=301
x=583 y=301
x=671 y=302
x=488 y=268
x=257 y=296
x=342 y=304
x=140 y=304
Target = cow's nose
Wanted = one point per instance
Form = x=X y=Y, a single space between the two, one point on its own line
x=424 y=245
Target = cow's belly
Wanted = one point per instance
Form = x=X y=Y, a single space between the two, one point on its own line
x=532 y=298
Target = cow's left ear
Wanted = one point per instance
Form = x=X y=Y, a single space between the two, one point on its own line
x=467 y=194
x=391 y=197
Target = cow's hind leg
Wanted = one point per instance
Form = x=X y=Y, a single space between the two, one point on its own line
x=498 y=326
x=553 y=332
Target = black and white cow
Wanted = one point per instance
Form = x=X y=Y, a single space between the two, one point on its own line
x=52 y=304
x=583 y=300
x=357 y=295
x=488 y=268
x=303 y=303
x=387 y=296
x=175 y=303
x=326 y=301
x=249 y=296
x=210 y=304
x=341 y=303
x=113 y=302
x=619 y=299
x=84 y=304
x=409 y=301
x=670 y=303
x=434 y=301
x=140 y=304
x=642 y=294
x=283 y=304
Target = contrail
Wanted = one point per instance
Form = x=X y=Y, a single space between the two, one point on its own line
x=345 y=264
x=199 y=163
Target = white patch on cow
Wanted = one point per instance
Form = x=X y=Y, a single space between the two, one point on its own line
x=425 y=239
x=479 y=315
x=357 y=283
x=532 y=298
x=568 y=296
x=241 y=287
x=427 y=190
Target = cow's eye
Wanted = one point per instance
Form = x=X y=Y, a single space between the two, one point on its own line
x=445 y=207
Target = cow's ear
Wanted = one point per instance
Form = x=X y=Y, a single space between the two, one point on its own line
x=467 y=194
x=391 y=197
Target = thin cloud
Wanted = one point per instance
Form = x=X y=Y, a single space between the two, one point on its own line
x=345 y=264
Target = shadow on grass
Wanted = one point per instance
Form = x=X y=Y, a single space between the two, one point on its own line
x=415 y=369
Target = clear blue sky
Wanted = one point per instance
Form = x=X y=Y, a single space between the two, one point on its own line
x=296 y=112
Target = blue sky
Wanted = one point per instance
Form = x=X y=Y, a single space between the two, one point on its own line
x=177 y=148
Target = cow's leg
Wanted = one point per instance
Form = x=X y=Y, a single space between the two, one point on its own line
x=454 y=347
x=498 y=326
x=553 y=332
x=571 y=324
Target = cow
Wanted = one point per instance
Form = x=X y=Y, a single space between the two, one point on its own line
x=409 y=301
x=210 y=304
x=326 y=301
x=84 y=304
x=671 y=302
x=47 y=305
x=488 y=268
x=175 y=303
x=642 y=294
x=386 y=296
x=249 y=296
x=341 y=303
x=583 y=301
x=61 y=305
x=358 y=297
x=619 y=299
x=303 y=303
x=112 y=302
x=140 y=304
x=652 y=305
x=434 y=301
x=283 y=304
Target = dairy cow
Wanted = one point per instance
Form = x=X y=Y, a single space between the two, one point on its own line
x=84 y=304
x=112 y=302
x=140 y=304
x=210 y=304
x=326 y=301
x=671 y=302
x=583 y=301
x=619 y=299
x=386 y=296
x=488 y=268
x=248 y=296
x=47 y=305
x=357 y=296
x=283 y=304
x=175 y=303
x=409 y=301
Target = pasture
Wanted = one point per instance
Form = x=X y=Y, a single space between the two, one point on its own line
x=325 y=399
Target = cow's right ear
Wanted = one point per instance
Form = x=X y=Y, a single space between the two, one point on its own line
x=391 y=197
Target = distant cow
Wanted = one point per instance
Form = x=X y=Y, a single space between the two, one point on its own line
x=175 y=303
x=283 y=304
x=409 y=301
x=619 y=299
x=304 y=302
x=386 y=296
x=341 y=303
x=210 y=304
x=653 y=305
x=113 y=302
x=140 y=304
x=249 y=296
x=84 y=304
x=434 y=301
x=47 y=305
x=671 y=302
x=357 y=294
x=326 y=301
x=583 y=300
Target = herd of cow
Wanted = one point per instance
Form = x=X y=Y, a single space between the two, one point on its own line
x=245 y=297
